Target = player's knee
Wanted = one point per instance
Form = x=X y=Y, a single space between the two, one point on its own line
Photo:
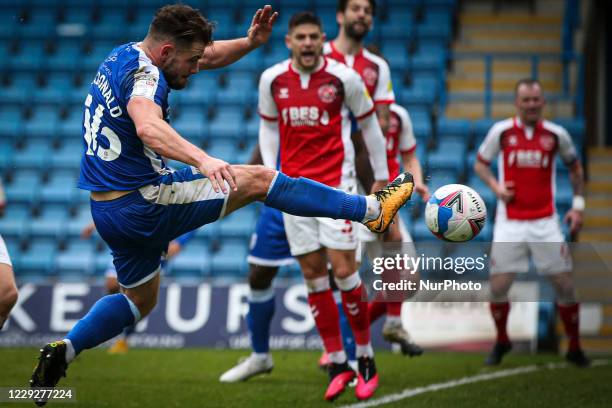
x=260 y=277
x=112 y=286
x=259 y=181
x=145 y=304
x=343 y=272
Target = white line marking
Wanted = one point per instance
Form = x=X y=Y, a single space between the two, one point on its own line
x=411 y=392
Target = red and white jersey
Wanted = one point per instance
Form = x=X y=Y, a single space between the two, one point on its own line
x=312 y=110
x=526 y=159
x=400 y=138
x=373 y=70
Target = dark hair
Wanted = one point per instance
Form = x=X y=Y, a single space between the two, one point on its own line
x=525 y=81
x=304 y=17
x=343 y=4
x=182 y=24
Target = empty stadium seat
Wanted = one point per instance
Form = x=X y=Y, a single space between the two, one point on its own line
x=50 y=223
x=39 y=258
x=194 y=260
x=191 y=124
x=228 y=123
x=230 y=259
x=77 y=260
x=60 y=188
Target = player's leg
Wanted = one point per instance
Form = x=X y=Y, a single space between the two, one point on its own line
x=259 y=317
x=8 y=289
x=355 y=306
x=304 y=197
x=111 y=284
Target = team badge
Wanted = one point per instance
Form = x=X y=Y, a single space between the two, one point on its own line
x=547 y=142
x=283 y=93
x=370 y=76
x=328 y=92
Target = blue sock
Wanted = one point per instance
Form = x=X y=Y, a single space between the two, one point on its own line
x=347 y=335
x=308 y=198
x=258 y=320
x=106 y=319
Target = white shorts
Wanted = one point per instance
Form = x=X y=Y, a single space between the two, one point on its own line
x=4 y=255
x=307 y=234
x=515 y=240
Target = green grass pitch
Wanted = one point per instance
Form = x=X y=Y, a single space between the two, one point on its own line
x=189 y=378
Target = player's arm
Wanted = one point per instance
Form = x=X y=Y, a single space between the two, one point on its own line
x=383 y=113
x=486 y=153
x=413 y=165
x=383 y=96
x=269 y=142
x=2 y=199
x=226 y=52
x=568 y=154
x=159 y=136
x=365 y=175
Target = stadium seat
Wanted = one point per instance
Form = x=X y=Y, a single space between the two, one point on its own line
x=59 y=189
x=454 y=128
x=42 y=124
x=70 y=129
x=193 y=260
x=11 y=122
x=36 y=153
x=39 y=258
x=51 y=223
x=238 y=225
x=228 y=123
x=6 y=154
x=63 y=59
x=77 y=260
x=223 y=148
x=39 y=26
x=20 y=89
x=481 y=128
x=54 y=91
x=191 y=124
x=230 y=259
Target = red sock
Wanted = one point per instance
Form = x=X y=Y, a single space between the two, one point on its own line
x=570 y=316
x=394 y=308
x=500 y=312
x=356 y=310
x=327 y=319
x=376 y=308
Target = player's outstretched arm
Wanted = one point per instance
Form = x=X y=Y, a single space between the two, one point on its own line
x=226 y=52
x=484 y=172
x=159 y=136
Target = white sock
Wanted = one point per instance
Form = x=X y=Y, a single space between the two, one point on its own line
x=393 y=320
x=262 y=356
x=364 y=350
x=70 y=353
x=337 y=357
x=372 y=209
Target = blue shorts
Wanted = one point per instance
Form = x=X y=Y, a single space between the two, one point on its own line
x=138 y=226
x=269 y=246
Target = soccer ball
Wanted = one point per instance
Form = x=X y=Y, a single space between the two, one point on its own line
x=455 y=213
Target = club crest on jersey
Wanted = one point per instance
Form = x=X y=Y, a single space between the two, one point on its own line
x=283 y=93
x=512 y=140
x=369 y=76
x=327 y=93
x=547 y=142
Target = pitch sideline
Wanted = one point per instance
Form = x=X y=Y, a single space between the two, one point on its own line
x=411 y=392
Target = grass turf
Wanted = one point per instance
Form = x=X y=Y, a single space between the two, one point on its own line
x=189 y=378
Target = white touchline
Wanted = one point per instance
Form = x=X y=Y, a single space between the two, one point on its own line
x=411 y=392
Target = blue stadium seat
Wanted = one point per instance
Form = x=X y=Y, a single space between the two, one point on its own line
x=225 y=149
x=193 y=260
x=230 y=259
x=417 y=97
x=11 y=121
x=13 y=228
x=396 y=55
x=50 y=224
x=440 y=177
x=228 y=123
x=77 y=260
x=60 y=189
x=6 y=154
x=70 y=129
x=19 y=91
x=576 y=129
x=191 y=124
x=454 y=128
x=77 y=15
x=42 y=124
x=40 y=24
x=92 y=60
x=239 y=224
x=39 y=258
x=77 y=95
x=421 y=124
x=106 y=28
x=432 y=31
x=481 y=128
x=55 y=90
x=65 y=55
x=8 y=24
x=428 y=62
x=81 y=219
x=202 y=89
x=236 y=97
x=35 y=155
x=252 y=127
x=275 y=55
x=103 y=261
x=403 y=32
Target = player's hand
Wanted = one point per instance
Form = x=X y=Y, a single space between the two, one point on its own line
x=88 y=231
x=505 y=192
x=574 y=219
x=423 y=191
x=261 y=26
x=218 y=172
x=173 y=249
x=378 y=185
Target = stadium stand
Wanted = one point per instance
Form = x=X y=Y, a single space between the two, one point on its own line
x=453 y=85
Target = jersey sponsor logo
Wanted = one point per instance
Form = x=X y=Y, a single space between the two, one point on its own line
x=327 y=93
x=304 y=116
x=528 y=158
x=547 y=142
x=145 y=83
x=369 y=76
x=283 y=93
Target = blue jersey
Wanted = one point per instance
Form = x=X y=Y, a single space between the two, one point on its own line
x=115 y=158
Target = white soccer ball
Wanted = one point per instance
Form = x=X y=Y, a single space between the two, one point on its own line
x=455 y=213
